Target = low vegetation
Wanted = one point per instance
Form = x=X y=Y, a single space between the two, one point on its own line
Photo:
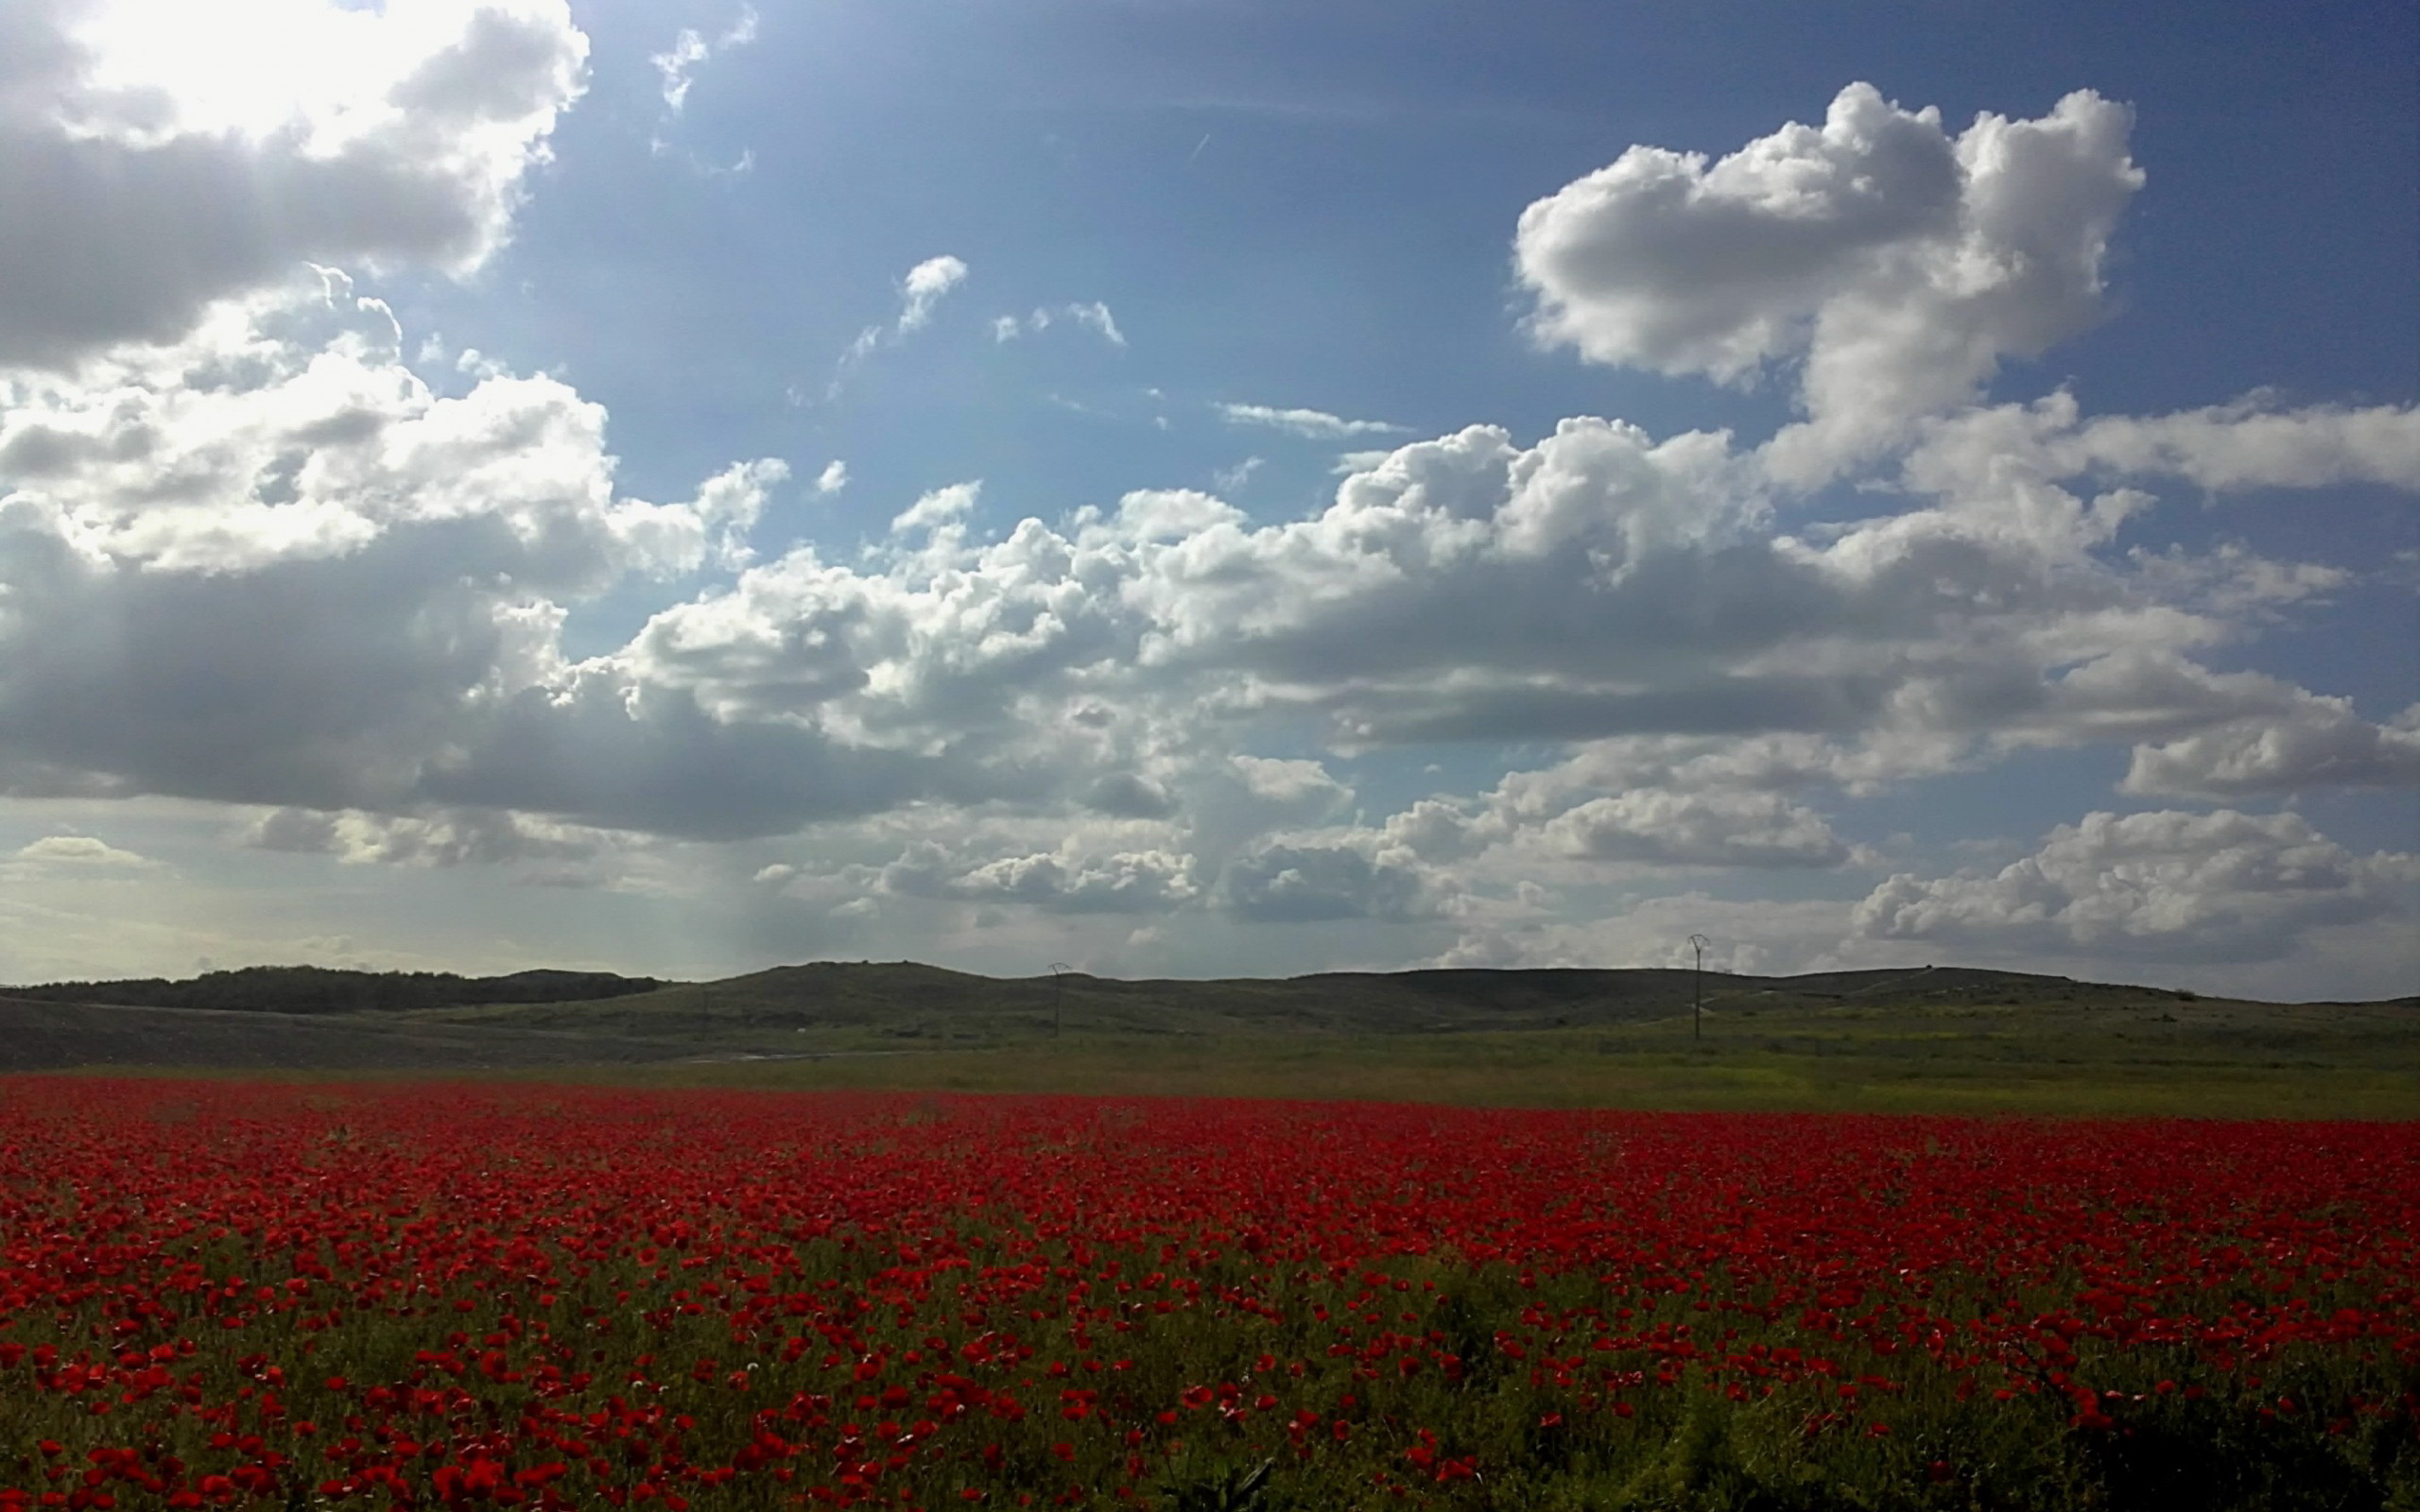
x=1946 y=1041
x=246 y=1296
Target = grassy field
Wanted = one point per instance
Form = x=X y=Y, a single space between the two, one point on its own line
x=1947 y=1041
x=2336 y=1075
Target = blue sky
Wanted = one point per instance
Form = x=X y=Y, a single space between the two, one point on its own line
x=1206 y=488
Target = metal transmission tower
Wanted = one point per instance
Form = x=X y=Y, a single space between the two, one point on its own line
x=1697 y=989
x=1059 y=971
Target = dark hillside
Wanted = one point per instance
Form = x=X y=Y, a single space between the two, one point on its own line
x=321 y=990
x=865 y=1002
x=38 y=1036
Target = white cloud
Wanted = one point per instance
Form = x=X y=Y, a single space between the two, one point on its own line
x=2312 y=742
x=156 y=157
x=1143 y=881
x=1093 y=316
x=1228 y=479
x=268 y=564
x=942 y=507
x=690 y=50
x=1664 y=802
x=78 y=851
x=1695 y=829
x=920 y=292
x=925 y=287
x=2248 y=444
x=2169 y=884
x=169 y=524
x=263 y=563
x=1899 y=262
x=1310 y=423
x=463 y=837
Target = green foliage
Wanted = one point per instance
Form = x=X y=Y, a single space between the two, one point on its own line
x=1237 y=1489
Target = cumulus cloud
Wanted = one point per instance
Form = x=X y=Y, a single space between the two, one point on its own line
x=925 y=287
x=1696 y=829
x=1312 y=424
x=263 y=563
x=939 y=508
x=2169 y=883
x=2312 y=742
x=175 y=515
x=157 y=157
x=1899 y=265
x=1146 y=881
x=268 y=564
x=1314 y=884
x=1665 y=802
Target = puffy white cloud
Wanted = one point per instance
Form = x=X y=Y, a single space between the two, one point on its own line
x=263 y=563
x=939 y=508
x=1143 y=881
x=2167 y=884
x=1696 y=829
x=1312 y=424
x=2314 y=742
x=924 y=286
x=1662 y=801
x=1899 y=262
x=156 y=157
x=268 y=564
x=1754 y=936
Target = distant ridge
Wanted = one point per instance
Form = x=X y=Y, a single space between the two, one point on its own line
x=908 y=997
x=321 y=989
x=868 y=1022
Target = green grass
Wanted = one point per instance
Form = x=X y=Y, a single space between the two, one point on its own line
x=1951 y=1041
x=1728 y=1071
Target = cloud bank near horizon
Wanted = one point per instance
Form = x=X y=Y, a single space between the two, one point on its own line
x=251 y=560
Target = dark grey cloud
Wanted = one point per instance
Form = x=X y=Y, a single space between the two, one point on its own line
x=1312 y=883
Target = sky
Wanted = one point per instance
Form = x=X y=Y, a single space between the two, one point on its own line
x=1211 y=487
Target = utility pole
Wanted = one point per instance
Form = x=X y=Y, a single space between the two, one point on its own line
x=1059 y=971
x=1697 y=989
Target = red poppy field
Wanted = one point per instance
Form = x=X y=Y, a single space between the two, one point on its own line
x=218 y=1295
